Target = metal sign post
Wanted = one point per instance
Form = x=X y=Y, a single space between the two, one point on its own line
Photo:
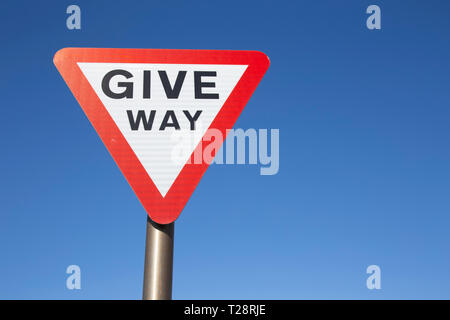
x=158 y=266
x=113 y=85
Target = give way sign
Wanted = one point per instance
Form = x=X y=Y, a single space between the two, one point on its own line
x=144 y=103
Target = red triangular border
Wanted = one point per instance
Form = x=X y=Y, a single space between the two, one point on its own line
x=161 y=210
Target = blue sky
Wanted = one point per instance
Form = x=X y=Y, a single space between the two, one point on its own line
x=364 y=159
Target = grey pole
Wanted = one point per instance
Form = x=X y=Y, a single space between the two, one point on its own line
x=158 y=264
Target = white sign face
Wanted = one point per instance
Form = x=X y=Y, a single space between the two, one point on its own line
x=154 y=104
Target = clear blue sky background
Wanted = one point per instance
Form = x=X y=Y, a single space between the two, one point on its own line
x=364 y=161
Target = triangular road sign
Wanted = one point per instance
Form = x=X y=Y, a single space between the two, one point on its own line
x=142 y=101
